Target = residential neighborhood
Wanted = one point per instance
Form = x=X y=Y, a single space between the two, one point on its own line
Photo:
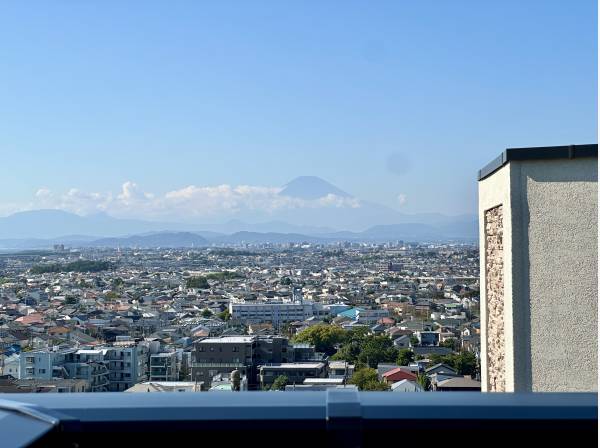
x=399 y=317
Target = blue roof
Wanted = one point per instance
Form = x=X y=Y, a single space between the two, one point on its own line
x=351 y=313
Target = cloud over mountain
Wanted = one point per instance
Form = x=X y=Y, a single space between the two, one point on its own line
x=193 y=202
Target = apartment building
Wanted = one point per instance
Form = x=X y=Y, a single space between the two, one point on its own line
x=222 y=355
x=295 y=372
x=276 y=312
x=164 y=367
x=44 y=364
x=91 y=366
x=128 y=365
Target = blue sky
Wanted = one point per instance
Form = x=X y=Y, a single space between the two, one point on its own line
x=383 y=99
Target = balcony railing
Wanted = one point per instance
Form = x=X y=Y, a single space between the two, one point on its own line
x=333 y=418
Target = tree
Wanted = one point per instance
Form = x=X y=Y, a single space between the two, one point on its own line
x=279 y=383
x=111 y=295
x=376 y=386
x=424 y=381
x=377 y=349
x=414 y=340
x=466 y=363
x=450 y=343
x=206 y=313
x=224 y=315
x=197 y=282
x=324 y=337
x=286 y=281
x=364 y=376
x=405 y=357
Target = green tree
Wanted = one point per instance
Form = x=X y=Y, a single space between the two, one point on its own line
x=466 y=363
x=206 y=313
x=364 y=376
x=197 y=282
x=450 y=343
x=279 y=383
x=224 y=315
x=324 y=337
x=377 y=349
x=224 y=275
x=423 y=381
x=376 y=386
x=414 y=341
x=111 y=295
x=405 y=357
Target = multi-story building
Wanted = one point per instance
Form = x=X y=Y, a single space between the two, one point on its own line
x=164 y=367
x=222 y=355
x=44 y=364
x=340 y=370
x=127 y=365
x=295 y=372
x=11 y=365
x=91 y=366
x=275 y=312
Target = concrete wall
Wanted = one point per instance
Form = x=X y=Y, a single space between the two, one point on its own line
x=550 y=284
x=494 y=191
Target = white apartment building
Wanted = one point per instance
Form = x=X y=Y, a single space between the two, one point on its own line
x=275 y=312
x=44 y=364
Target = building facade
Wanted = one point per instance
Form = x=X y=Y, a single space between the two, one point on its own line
x=538 y=230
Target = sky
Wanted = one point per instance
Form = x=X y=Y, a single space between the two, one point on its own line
x=124 y=107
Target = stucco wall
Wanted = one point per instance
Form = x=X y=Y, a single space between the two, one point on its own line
x=555 y=262
x=550 y=229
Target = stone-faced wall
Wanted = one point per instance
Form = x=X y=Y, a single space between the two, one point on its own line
x=494 y=275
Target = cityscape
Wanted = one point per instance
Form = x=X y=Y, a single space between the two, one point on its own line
x=398 y=316
x=335 y=224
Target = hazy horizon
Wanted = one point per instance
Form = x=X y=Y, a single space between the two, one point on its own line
x=203 y=112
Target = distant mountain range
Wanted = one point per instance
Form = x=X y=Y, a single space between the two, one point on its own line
x=42 y=228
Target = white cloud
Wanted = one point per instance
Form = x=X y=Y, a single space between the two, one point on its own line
x=401 y=199
x=187 y=202
x=43 y=193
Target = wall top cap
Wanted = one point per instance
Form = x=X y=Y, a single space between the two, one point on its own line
x=537 y=153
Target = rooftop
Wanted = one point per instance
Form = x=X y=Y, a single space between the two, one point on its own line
x=228 y=340
x=296 y=365
x=538 y=153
